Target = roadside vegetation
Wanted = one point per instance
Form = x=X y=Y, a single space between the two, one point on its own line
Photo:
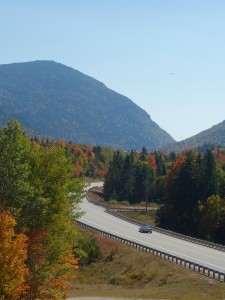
x=122 y=271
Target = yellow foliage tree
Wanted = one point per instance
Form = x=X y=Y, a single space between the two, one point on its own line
x=13 y=253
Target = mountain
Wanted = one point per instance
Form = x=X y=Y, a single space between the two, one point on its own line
x=56 y=101
x=214 y=136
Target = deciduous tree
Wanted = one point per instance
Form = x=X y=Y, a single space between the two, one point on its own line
x=13 y=254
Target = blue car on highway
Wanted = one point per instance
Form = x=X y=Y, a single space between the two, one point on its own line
x=145 y=228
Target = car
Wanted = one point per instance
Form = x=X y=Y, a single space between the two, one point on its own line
x=145 y=228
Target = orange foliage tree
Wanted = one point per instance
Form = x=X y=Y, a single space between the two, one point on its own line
x=13 y=253
x=47 y=279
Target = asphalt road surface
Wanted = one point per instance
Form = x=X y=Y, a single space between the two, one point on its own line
x=97 y=217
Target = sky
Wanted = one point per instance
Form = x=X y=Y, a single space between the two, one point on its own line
x=167 y=56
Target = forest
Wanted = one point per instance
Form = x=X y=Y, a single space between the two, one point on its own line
x=41 y=185
x=190 y=186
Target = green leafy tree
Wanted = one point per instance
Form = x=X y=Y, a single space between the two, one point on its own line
x=87 y=249
x=211 y=214
x=37 y=187
x=15 y=187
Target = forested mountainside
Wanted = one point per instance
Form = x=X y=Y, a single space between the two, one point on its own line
x=214 y=136
x=55 y=101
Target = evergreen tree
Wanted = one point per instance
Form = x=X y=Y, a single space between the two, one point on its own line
x=161 y=167
x=139 y=191
x=127 y=178
x=181 y=195
x=143 y=154
x=211 y=182
x=113 y=184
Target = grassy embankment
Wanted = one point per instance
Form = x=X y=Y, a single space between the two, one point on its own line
x=126 y=272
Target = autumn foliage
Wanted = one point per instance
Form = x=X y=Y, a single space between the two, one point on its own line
x=47 y=278
x=13 y=254
x=37 y=230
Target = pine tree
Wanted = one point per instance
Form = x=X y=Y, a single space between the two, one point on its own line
x=211 y=182
x=127 y=178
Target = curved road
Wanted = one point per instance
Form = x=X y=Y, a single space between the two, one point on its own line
x=98 y=218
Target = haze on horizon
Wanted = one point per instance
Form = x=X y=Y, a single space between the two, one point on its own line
x=166 y=56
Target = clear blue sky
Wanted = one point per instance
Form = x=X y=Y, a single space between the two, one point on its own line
x=168 y=56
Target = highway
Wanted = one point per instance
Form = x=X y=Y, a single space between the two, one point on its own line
x=97 y=217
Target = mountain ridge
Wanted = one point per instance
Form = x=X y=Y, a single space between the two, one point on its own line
x=57 y=101
x=213 y=136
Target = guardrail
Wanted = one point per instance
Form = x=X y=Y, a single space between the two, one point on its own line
x=220 y=276
x=161 y=230
x=106 y=205
x=170 y=233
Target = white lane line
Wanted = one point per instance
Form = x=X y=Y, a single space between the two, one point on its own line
x=195 y=248
x=132 y=239
x=180 y=244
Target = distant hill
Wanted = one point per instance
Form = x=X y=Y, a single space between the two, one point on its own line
x=56 y=101
x=214 y=136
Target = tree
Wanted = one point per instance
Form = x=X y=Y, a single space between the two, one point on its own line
x=140 y=182
x=13 y=254
x=15 y=188
x=181 y=195
x=211 y=182
x=192 y=203
x=47 y=279
x=113 y=185
x=161 y=167
x=37 y=187
x=211 y=214
x=143 y=154
x=127 y=179
x=52 y=233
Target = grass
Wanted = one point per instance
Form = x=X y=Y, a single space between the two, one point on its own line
x=126 y=272
x=142 y=216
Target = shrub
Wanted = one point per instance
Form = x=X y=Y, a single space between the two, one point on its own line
x=117 y=279
x=88 y=250
x=113 y=202
x=111 y=255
